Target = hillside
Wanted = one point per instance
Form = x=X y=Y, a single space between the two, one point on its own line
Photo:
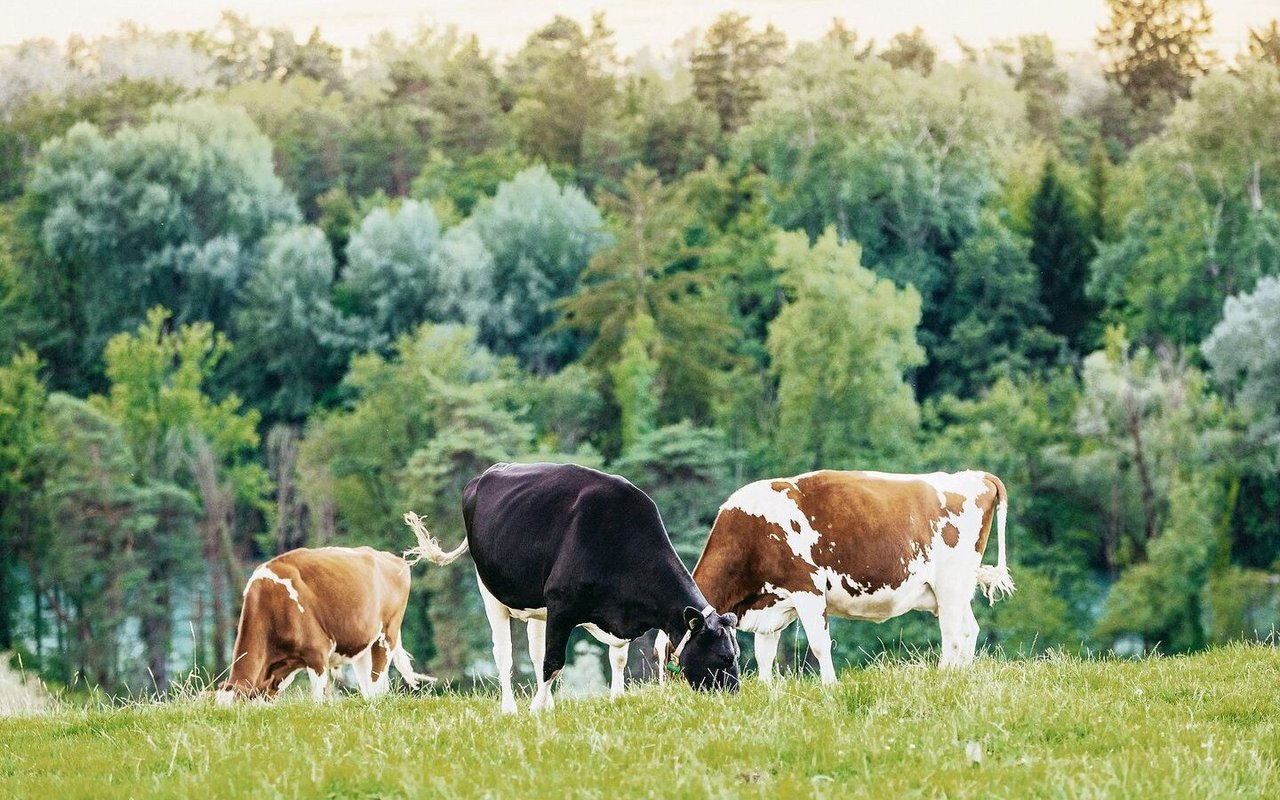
x=1196 y=726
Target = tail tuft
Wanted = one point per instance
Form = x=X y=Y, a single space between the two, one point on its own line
x=428 y=547
x=995 y=582
x=404 y=665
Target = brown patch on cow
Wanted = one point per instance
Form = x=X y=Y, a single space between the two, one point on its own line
x=950 y=534
x=877 y=526
x=954 y=504
x=743 y=553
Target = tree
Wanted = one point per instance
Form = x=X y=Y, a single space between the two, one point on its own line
x=185 y=445
x=1160 y=599
x=391 y=277
x=1145 y=418
x=307 y=124
x=166 y=214
x=1264 y=43
x=998 y=327
x=451 y=89
x=22 y=406
x=1244 y=350
x=897 y=162
x=1199 y=221
x=839 y=349
x=910 y=51
x=540 y=237
x=90 y=571
x=656 y=320
x=730 y=64
x=464 y=184
x=665 y=126
x=1043 y=83
x=1062 y=248
x=1156 y=49
x=242 y=53
x=294 y=343
x=564 y=87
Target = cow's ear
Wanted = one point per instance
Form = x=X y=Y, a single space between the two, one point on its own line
x=693 y=619
x=730 y=619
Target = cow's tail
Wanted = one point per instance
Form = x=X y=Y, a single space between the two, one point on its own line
x=404 y=665
x=996 y=582
x=428 y=547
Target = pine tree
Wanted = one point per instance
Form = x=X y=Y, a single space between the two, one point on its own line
x=1062 y=249
x=1156 y=49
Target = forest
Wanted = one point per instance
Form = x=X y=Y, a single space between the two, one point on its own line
x=258 y=292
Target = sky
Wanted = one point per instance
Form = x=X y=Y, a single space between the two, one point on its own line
x=503 y=25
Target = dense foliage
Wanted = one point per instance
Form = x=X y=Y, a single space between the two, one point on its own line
x=256 y=294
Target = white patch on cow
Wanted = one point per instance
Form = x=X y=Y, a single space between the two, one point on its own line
x=319 y=684
x=526 y=614
x=288 y=680
x=760 y=499
x=223 y=698
x=264 y=573
x=603 y=636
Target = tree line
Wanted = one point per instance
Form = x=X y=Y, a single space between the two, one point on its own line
x=257 y=293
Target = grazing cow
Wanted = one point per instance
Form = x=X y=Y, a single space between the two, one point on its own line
x=317 y=609
x=861 y=545
x=561 y=546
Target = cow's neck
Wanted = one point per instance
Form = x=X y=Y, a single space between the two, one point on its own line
x=683 y=594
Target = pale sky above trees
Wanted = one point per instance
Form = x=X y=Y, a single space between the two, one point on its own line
x=504 y=24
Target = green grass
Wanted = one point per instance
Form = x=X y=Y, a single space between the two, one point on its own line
x=1201 y=726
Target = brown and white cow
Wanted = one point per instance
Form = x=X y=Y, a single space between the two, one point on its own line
x=861 y=545
x=316 y=609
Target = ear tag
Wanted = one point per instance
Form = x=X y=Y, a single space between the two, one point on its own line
x=673 y=667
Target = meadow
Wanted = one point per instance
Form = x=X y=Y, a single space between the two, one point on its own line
x=1204 y=725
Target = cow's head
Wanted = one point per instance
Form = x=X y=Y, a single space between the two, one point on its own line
x=709 y=659
x=231 y=691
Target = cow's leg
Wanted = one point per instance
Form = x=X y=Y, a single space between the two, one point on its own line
x=957 y=623
x=557 y=639
x=500 y=626
x=362 y=668
x=380 y=668
x=766 y=652
x=971 y=634
x=319 y=682
x=812 y=610
x=537 y=649
x=618 y=666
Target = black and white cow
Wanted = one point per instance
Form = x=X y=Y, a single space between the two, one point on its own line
x=562 y=546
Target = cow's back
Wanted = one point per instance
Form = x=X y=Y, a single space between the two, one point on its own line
x=347 y=592
x=529 y=523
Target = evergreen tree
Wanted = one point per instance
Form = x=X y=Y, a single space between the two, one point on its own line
x=1156 y=49
x=1000 y=329
x=911 y=51
x=729 y=64
x=1061 y=247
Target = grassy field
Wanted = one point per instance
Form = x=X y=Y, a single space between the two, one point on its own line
x=1200 y=726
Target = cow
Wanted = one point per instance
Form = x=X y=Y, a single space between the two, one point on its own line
x=314 y=609
x=561 y=546
x=860 y=545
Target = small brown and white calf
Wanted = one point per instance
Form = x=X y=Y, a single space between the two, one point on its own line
x=315 y=609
